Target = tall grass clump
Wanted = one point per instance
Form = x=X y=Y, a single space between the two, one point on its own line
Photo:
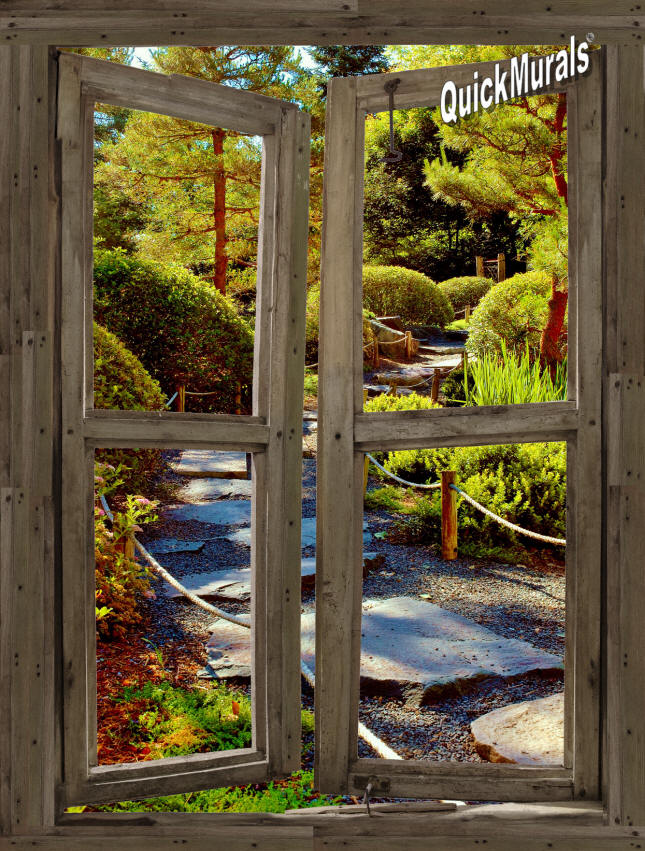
x=513 y=379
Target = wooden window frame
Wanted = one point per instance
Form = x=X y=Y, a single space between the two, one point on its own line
x=271 y=433
x=345 y=433
x=30 y=435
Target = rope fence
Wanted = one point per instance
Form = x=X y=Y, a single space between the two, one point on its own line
x=449 y=510
x=536 y=535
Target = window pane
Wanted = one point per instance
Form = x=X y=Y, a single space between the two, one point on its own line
x=176 y=212
x=462 y=658
x=172 y=678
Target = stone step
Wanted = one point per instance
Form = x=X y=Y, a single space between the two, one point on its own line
x=223 y=512
x=410 y=649
x=236 y=584
x=528 y=733
x=211 y=463
x=205 y=490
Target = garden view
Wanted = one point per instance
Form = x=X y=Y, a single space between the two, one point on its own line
x=464 y=304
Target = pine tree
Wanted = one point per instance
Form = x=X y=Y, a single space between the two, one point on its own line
x=347 y=60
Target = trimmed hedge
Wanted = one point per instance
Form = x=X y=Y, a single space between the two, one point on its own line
x=396 y=291
x=122 y=383
x=181 y=328
x=465 y=291
x=514 y=311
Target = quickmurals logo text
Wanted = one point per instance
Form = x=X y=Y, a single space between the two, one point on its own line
x=527 y=75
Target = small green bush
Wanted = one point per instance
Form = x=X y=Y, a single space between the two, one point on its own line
x=181 y=329
x=514 y=378
x=396 y=291
x=122 y=383
x=513 y=311
x=412 y=402
x=524 y=483
x=464 y=292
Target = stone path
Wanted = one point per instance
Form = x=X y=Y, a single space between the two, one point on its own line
x=236 y=584
x=409 y=649
x=528 y=733
x=243 y=536
x=211 y=463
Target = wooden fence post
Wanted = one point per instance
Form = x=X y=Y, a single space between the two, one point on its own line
x=408 y=344
x=501 y=267
x=464 y=360
x=448 y=516
x=238 y=398
x=479 y=266
x=436 y=380
x=181 y=398
x=467 y=313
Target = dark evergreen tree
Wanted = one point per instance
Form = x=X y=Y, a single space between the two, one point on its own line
x=347 y=60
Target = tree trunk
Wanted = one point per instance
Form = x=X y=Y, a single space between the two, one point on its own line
x=550 y=353
x=219 y=211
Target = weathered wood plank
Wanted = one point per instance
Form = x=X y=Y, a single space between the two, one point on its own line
x=465 y=426
x=170 y=430
x=625 y=499
x=375 y=23
x=183 y=97
x=584 y=540
x=336 y=479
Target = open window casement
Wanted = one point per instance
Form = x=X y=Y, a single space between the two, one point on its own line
x=271 y=433
x=345 y=433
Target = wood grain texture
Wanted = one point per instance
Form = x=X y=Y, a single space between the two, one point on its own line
x=379 y=22
x=336 y=504
x=584 y=498
x=625 y=494
x=466 y=426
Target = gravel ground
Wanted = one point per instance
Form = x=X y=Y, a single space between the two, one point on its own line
x=512 y=600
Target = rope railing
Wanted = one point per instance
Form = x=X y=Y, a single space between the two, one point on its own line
x=536 y=535
x=384 y=751
x=398 y=479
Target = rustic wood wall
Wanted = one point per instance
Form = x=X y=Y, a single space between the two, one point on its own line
x=29 y=400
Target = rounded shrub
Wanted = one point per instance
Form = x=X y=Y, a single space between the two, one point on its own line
x=464 y=292
x=513 y=311
x=396 y=291
x=122 y=383
x=181 y=328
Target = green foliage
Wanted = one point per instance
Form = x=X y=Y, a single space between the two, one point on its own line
x=514 y=379
x=183 y=721
x=523 y=483
x=514 y=312
x=412 y=402
x=122 y=383
x=464 y=292
x=393 y=290
x=119 y=579
x=404 y=224
x=296 y=792
x=182 y=330
x=388 y=497
x=311 y=383
x=312 y=323
x=452 y=388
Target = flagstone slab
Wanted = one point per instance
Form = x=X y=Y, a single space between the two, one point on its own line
x=236 y=584
x=528 y=733
x=211 y=463
x=223 y=512
x=206 y=490
x=243 y=536
x=410 y=649
x=163 y=546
